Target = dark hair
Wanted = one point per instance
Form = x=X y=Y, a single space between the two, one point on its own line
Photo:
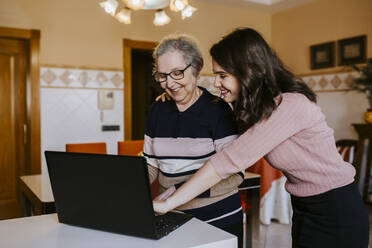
x=262 y=76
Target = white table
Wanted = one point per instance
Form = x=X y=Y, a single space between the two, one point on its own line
x=36 y=189
x=45 y=231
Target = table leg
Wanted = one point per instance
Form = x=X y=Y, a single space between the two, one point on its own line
x=252 y=218
x=26 y=206
x=253 y=198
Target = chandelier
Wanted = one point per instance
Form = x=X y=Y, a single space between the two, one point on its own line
x=122 y=9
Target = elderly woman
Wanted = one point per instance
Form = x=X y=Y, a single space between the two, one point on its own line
x=182 y=134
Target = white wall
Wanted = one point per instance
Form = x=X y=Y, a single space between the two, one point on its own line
x=69 y=114
x=341 y=106
x=341 y=110
x=69 y=111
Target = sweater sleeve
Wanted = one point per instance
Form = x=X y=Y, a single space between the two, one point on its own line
x=293 y=114
x=223 y=134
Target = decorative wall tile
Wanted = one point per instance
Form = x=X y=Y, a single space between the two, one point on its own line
x=84 y=78
x=81 y=78
x=349 y=80
x=48 y=76
x=207 y=83
x=311 y=83
x=66 y=78
x=117 y=80
x=336 y=81
x=323 y=82
x=101 y=78
x=330 y=82
x=318 y=83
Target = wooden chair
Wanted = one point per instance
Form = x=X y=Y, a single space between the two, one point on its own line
x=347 y=148
x=130 y=147
x=97 y=148
x=134 y=148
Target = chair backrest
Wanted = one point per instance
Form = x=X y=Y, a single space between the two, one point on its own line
x=97 y=148
x=130 y=147
x=133 y=148
x=347 y=149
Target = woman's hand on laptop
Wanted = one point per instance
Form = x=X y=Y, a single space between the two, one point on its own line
x=162 y=207
x=163 y=196
x=161 y=204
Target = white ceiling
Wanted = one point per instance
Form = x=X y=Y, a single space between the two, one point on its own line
x=270 y=6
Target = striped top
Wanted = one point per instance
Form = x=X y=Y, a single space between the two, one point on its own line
x=296 y=140
x=178 y=143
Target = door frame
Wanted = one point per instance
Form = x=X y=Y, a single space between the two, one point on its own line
x=33 y=148
x=128 y=45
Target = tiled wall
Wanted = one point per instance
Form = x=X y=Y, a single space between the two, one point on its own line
x=340 y=106
x=319 y=83
x=69 y=111
x=330 y=82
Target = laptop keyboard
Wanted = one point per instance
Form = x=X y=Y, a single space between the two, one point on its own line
x=164 y=224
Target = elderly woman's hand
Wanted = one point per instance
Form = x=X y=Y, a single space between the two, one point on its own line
x=162 y=207
x=164 y=96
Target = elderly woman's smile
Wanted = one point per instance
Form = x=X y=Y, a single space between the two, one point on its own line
x=178 y=79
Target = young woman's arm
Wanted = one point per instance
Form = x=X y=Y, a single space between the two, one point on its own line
x=202 y=180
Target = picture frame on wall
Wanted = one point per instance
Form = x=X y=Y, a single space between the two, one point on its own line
x=352 y=50
x=322 y=55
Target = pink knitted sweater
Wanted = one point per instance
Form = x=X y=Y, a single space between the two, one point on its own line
x=296 y=140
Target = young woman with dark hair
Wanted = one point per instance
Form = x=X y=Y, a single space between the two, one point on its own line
x=278 y=118
x=260 y=73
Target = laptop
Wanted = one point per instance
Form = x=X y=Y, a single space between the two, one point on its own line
x=107 y=192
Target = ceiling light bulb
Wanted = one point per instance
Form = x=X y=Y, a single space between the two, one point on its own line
x=188 y=11
x=161 y=18
x=156 y=4
x=124 y=16
x=109 y=6
x=135 y=4
x=178 y=5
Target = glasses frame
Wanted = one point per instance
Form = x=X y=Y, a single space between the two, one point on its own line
x=170 y=74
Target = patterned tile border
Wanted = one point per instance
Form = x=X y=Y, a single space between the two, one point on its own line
x=80 y=78
x=330 y=82
x=65 y=77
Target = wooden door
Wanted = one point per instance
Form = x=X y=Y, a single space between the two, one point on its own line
x=144 y=90
x=128 y=47
x=13 y=122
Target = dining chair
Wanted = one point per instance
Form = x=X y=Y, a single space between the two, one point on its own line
x=130 y=147
x=134 y=148
x=97 y=148
x=347 y=149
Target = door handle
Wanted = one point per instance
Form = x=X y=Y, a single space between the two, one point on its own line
x=25 y=134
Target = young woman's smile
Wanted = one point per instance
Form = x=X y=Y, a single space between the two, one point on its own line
x=227 y=83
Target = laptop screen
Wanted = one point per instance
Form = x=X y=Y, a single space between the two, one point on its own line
x=105 y=192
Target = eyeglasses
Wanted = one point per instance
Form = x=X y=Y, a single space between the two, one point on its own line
x=161 y=77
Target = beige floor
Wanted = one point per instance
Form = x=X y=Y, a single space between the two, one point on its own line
x=274 y=235
x=278 y=235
